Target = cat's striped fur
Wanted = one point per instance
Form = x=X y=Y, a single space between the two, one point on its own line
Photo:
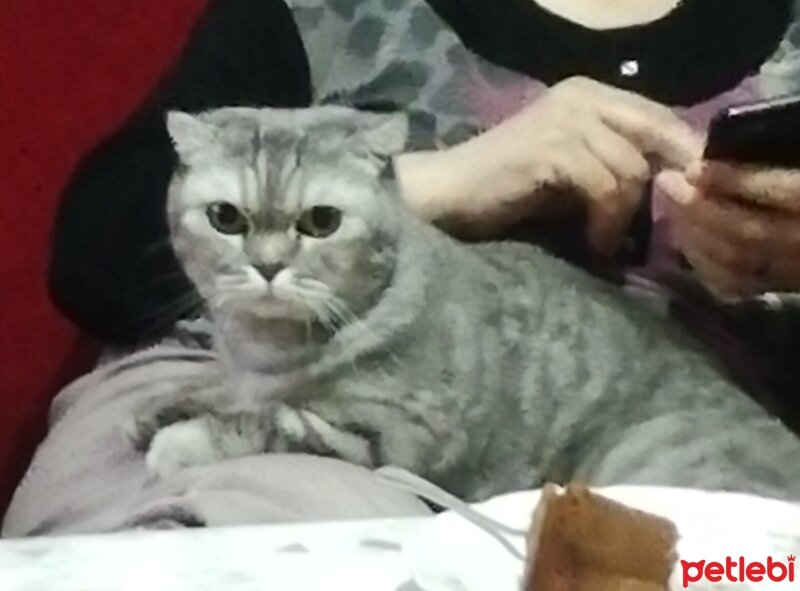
x=485 y=368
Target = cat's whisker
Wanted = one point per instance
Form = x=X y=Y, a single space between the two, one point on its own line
x=340 y=312
x=157 y=246
x=320 y=291
x=175 y=276
x=231 y=284
x=322 y=316
x=350 y=319
x=308 y=331
x=336 y=309
x=181 y=302
x=315 y=301
x=229 y=287
x=186 y=306
x=224 y=297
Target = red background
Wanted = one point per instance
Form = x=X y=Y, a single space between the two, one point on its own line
x=69 y=72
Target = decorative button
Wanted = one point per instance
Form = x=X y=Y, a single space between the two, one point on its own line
x=629 y=68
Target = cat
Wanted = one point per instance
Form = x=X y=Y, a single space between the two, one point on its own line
x=344 y=325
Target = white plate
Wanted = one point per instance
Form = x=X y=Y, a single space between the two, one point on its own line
x=451 y=554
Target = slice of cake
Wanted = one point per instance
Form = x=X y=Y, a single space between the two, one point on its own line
x=580 y=541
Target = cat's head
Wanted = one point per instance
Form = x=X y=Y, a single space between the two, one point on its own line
x=286 y=213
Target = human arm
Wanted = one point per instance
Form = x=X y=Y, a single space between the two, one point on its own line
x=598 y=143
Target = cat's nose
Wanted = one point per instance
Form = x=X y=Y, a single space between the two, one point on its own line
x=268 y=271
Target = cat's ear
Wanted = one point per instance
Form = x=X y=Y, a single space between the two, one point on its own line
x=190 y=135
x=387 y=135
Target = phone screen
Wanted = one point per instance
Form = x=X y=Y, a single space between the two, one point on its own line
x=764 y=133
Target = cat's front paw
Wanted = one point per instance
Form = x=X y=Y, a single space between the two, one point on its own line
x=153 y=414
x=303 y=431
x=179 y=446
x=151 y=418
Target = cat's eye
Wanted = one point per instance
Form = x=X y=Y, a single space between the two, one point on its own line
x=227 y=218
x=320 y=221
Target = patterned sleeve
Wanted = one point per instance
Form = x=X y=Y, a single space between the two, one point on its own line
x=399 y=54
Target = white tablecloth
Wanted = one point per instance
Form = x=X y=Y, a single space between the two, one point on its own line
x=443 y=553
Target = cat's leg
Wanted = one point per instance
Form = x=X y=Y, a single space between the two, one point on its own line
x=304 y=431
x=181 y=445
x=204 y=440
x=210 y=438
x=155 y=413
x=187 y=427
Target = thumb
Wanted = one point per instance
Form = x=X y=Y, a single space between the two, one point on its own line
x=676 y=145
x=676 y=187
x=669 y=141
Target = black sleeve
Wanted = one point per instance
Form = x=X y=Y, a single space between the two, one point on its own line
x=112 y=271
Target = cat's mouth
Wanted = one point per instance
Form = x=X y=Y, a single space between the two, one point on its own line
x=266 y=302
x=282 y=297
x=274 y=303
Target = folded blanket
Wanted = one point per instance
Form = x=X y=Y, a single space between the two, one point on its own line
x=87 y=476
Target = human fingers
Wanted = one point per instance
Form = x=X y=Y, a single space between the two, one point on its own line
x=772 y=187
x=667 y=140
x=747 y=226
x=607 y=210
x=621 y=157
x=651 y=126
x=718 y=278
x=731 y=247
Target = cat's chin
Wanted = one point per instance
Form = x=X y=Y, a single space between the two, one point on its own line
x=261 y=305
x=288 y=313
x=276 y=310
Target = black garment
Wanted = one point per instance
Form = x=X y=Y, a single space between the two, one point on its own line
x=700 y=49
x=112 y=271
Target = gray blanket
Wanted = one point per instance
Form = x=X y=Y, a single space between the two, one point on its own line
x=87 y=477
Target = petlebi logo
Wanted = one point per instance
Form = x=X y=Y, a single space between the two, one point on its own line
x=739 y=570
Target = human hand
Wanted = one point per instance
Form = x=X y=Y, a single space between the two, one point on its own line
x=583 y=139
x=738 y=226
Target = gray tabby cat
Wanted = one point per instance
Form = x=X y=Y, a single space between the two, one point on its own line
x=346 y=326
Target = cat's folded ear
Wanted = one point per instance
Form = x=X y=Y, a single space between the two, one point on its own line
x=190 y=135
x=386 y=135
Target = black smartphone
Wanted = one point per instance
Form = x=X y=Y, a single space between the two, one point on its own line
x=765 y=133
